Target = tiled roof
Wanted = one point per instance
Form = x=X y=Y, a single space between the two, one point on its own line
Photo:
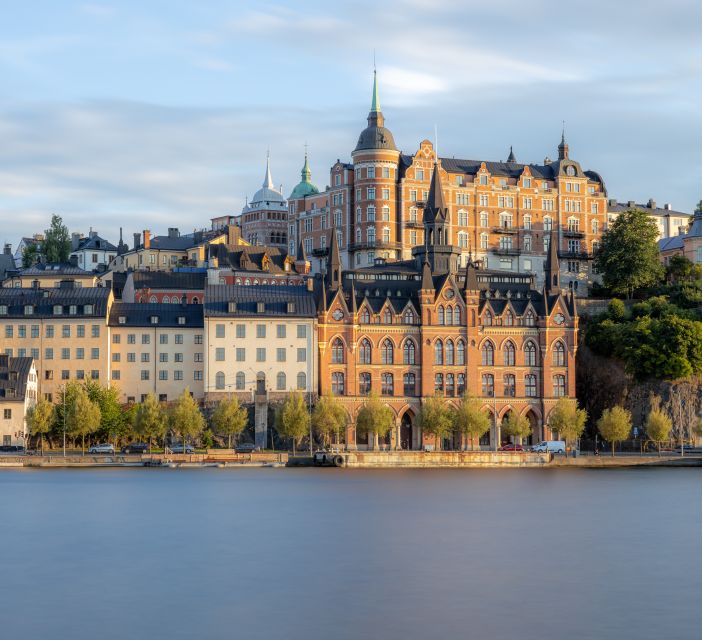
x=17 y=388
x=141 y=314
x=169 y=280
x=275 y=299
x=44 y=301
x=250 y=258
x=55 y=269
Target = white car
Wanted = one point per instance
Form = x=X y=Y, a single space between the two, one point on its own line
x=102 y=448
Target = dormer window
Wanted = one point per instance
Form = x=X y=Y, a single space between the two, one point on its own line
x=88 y=309
x=3 y=309
x=291 y=307
x=58 y=310
x=28 y=309
x=154 y=319
x=231 y=307
x=260 y=307
x=181 y=319
x=122 y=320
x=73 y=309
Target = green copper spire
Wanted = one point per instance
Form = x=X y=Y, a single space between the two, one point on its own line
x=306 y=173
x=375 y=104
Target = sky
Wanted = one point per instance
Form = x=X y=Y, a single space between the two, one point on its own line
x=153 y=113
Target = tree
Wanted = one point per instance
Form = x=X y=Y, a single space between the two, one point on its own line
x=57 y=242
x=616 y=310
x=615 y=425
x=375 y=417
x=567 y=419
x=229 y=418
x=658 y=426
x=516 y=426
x=470 y=420
x=30 y=255
x=150 y=420
x=328 y=418
x=435 y=418
x=698 y=208
x=680 y=268
x=113 y=421
x=40 y=417
x=293 y=418
x=82 y=414
x=628 y=256
x=185 y=417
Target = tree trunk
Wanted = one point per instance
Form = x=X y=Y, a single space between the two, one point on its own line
x=613 y=448
x=83 y=443
x=230 y=440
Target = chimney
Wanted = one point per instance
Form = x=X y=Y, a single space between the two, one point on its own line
x=75 y=241
x=7 y=249
x=137 y=240
x=93 y=234
x=667 y=206
x=233 y=234
x=631 y=204
x=652 y=203
x=73 y=261
x=173 y=232
x=147 y=239
x=612 y=202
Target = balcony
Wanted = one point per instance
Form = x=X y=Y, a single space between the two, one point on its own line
x=507 y=251
x=378 y=244
x=320 y=252
x=509 y=230
x=414 y=224
x=573 y=233
x=574 y=255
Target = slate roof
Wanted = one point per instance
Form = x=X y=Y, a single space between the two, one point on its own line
x=139 y=315
x=614 y=206
x=668 y=244
x=44 y=301
x=183 y=242
x=170 y=280
x=18 y=386
x=55 y=269
x=275 y=299
x=95 y=242
x=7 y=265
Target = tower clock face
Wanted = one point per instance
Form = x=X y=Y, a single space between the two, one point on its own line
x=338 y=314
x=570 y=170
x=559 y=318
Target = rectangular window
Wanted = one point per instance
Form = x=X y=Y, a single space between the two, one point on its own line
x=179 y=338
x=116 y=357
x=163 y=338
x=65 y=375
x=219 y=331
x=483 y=200
x=144 y=374
x=131 y=357
x=241 y=331
x=80 y=353
x=198 y=357
x=370 y=193
x=49 y=331
x=145 y=338
x=9 y=331
x=197 y=374
x=131 y=338
x=80 y=374
x=95 y=331
x=178 y=357
x=178 y=375
x=198 y=338
x=80 y=331
x=260 y=354
x=302 y=355
x=65 y=353
x=35 y=331
x=163 y=357
x=163 y=375
x=301 y=330
x=219 y=354
x=66 y=331
x=370 y=172
x=280 y=355
x=22 y=331
x=260 y=330
x=280 y=331
x=145 y=357
x=240 y=354
x=386 y=194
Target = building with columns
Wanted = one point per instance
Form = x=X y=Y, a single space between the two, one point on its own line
x=409 y=329
x=502 y=213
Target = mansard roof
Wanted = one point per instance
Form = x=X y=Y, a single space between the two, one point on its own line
x=14 y=387
x=275 y=299
x=250 y=258
x=138 y=314
x=44 y=301
x=179 y=280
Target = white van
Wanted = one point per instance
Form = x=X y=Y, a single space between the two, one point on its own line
x=549 y=446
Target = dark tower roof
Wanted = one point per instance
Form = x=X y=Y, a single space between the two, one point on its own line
x=471 y=275
x=376 y=135
x=510 y=157
x=334 y=262
x=301 y=255
x=563 y=147
x=552 y=268
x=427 y=280
x=435 y=208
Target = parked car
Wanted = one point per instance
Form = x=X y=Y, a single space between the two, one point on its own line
x=685 y=447
x=135 y=447
x=12 y=448
x=178 y=448
x=550 y=446
x=102 y=448
x=511 y=447
x=247 y=447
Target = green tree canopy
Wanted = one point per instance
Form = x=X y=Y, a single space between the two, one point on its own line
x=82 y=414
x=113 y=421
x=628 y=257
x=435 y=418
x=229 y=418
x=150 y=420
x=328 y=418
x=293 y=418
x=30 y=255
x=615 y=425
x=185 y=417
x=516 y=426
x=40 y=418
x=57 y=241
x=567 y=419
x=680 y=268
x=375 y=417
x=470 y=420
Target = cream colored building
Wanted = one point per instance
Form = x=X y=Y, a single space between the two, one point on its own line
x=52 y=276
x=18 y=392
x=156 y=348
x=64 y=330
x=261 y=337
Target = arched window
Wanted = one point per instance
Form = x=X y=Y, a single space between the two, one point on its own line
x=408 y=352
x=364 y=352
x=559 y=386
x=166 y=300
x=487 y=319
x=153 y=299
x=441 y=315
x=387 y=384
x=337 y=354
x=510 y=385
x=450 y=384
x=508 y=354
x=364 y=383
x=461 y=384
x=337 y=379
x=488 y=354
x=488 y=385
x=460 y=352
x=280 y=381
x=439 y=352
x=530 y=385
x=386 y=351
x=196 y=300
x=529 y=319
x=530 y=354
x=457 y=316
x=449 y=352
x=240 y=381
x=409 y=382
x=219 y=380
x=449 y=315
x=365 y=316
x=559 y=354
x=408 y=317
x=387 y=316
x=509 y=319
x=301 y=381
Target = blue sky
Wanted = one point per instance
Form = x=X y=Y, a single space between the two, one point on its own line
x=156 y=114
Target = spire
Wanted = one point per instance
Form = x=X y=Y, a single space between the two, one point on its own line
x=268 y=181
x=306 y=174
x=375 y=102
x=427 y=280
x=334 y=262
x=511 y=157
x=435 y=206
x=552 y=268
x=563 y=147
x=301 y=255
x=471 y=275
x=354 y=308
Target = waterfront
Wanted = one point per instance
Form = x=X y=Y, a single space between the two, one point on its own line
x=274 y=553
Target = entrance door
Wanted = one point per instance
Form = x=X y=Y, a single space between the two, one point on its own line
x=406 y=432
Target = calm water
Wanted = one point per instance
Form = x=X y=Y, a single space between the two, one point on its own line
x=274 y=553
